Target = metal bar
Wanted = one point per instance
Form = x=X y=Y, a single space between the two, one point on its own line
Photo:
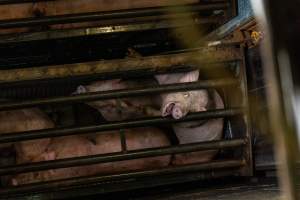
x=30 y=135
x=5 y=2
x=121 y=93
x=125 y=185
x=105 y=29
x=123 y=140
x=201 y=57
x=67 y=183
x=247 y=152
x=103 y=158
x=95 y=16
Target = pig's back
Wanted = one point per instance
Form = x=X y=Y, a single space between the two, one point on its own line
x=26 y=120
x=136 y=139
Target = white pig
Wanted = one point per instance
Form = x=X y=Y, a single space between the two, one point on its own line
x=26 y=120
x=136 y=139
x=180 y=104
x=60 y=148
x=201 y=131
x=120 y=109
x=106 y=143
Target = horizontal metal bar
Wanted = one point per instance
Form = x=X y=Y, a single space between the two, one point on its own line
x=5 y=2
x=203 y=56
x=95 y=16
x=129 y=155
x=105 y=29
x=126 y=185
x=121 y=93
x=82 y=181
x=30 y=135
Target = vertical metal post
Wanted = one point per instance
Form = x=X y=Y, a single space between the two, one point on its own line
x=281 y=62
x=247 y=152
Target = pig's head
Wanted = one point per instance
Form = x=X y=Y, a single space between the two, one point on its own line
x=179 y=104
x=110 y=109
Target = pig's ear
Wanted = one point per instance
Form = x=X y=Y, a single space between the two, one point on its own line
x=190 y=77
x=162 y=79
x=80 y=90
x=167 y=109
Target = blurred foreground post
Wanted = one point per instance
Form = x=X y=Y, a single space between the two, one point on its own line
x=282 y=65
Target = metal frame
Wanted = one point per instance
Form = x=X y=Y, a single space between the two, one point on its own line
x=130 y=180
x=109 y=22
x=98 y=16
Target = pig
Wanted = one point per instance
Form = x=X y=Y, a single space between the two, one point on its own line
x=26 y=120
x=59 y=148
x=105 y=143
x=200 y=131
x=180 y=104
x=136 y=139
x=120 y=109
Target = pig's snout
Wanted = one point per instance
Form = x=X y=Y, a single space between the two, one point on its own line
x=176 y=109
x=177 y=112
x=176 y=105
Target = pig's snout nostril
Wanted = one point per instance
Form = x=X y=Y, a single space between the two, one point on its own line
x=177 y=112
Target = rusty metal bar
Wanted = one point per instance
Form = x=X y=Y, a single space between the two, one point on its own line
x=121 y=93
x=126 y=185
x=30 y=135
x=129 y=155
x=5 y=2
x=200 y=57
x=137 y=24
x=95 y=16
x=83 y=181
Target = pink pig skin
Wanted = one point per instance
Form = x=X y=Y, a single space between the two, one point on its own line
x=26 y=120
x=106 y=142
x=211 y=130
x=179 y=104
x=123 y=108
x=60 y=148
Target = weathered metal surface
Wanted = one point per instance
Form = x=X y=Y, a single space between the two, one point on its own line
x=247 y=154
x=89 y=181
x=155 y=63
x=98 y=16
x=261 y=189
x=245 y=14
x=65 y=14
x=119 y=187
x=61 y=7
x=108 y=29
